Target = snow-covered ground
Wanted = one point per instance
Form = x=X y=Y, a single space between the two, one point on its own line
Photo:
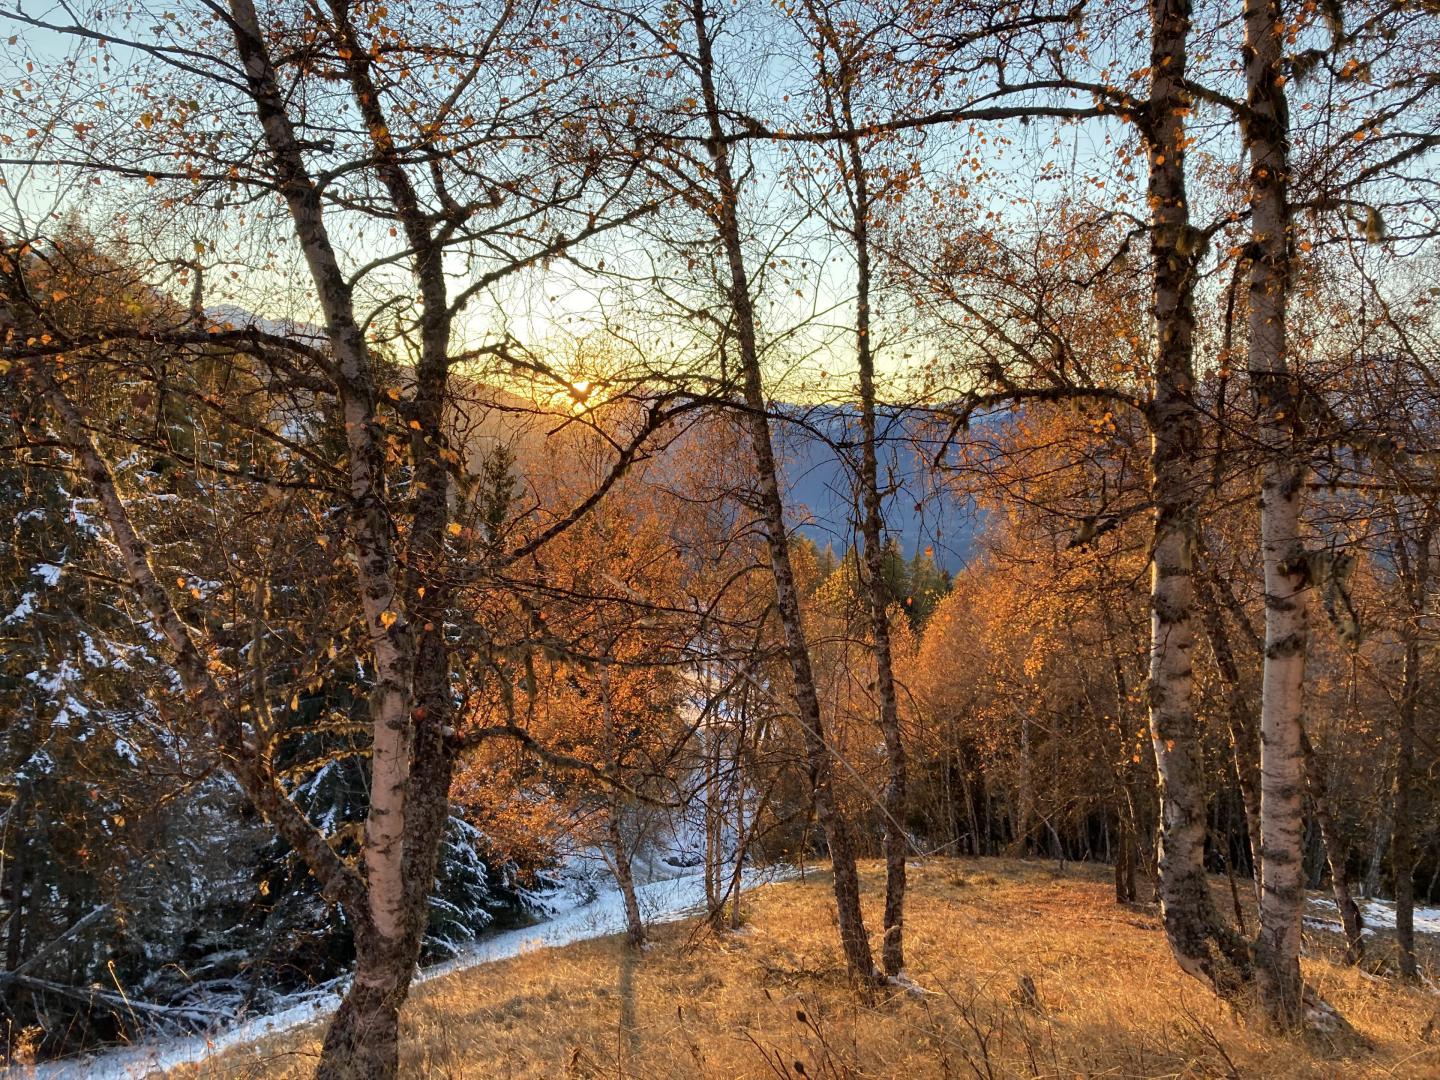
x=574 y=920
x=1377 y=915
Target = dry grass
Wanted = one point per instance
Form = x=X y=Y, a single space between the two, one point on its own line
x=770 y=1001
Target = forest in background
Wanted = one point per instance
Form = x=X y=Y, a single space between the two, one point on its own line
x=407 y=416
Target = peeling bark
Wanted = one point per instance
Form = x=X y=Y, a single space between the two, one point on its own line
x=1287 y=581
x=1202 y=944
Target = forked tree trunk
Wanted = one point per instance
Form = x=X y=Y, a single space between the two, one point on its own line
x=725 y=214
x=410 y=759
x=873 y=524
x=896 y=841
x=363 y=1039
x=1202 y=944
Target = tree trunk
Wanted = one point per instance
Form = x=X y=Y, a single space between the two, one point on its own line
x=872 y=526
x=838 y=838
x=1415 y=568
x=1124 y=856
x=977 y=838
x=620 y=848
x=1287 y=581
x=1202 y=945
x=896 y=841
x=1350 y=917
x=1380 y=835
x=395 y=864
x=14 y=850
x=1024 y=792
x=742 y=844
x=714 y=823
x=1402 y=836
x=625 y=879
x=363 y=1039
x=1238 y=711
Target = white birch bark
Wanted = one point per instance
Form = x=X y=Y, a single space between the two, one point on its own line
x=369 y=533
x=1287 y=581
x=1202 y=945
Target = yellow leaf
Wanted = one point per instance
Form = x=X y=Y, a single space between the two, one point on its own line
x=454 y=528
x=387 y=619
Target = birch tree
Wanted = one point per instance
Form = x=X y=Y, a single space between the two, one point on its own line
x=1282 y=892
x=419 y=169
x=845 y=59
x=755 y=418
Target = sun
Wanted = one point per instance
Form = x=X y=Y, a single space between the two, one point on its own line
x=580 y=394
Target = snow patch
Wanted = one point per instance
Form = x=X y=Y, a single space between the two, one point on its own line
x=23 y=610
x=1376 y=914
x=660 y=901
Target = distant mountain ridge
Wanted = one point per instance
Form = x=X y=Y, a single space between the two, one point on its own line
x=820 y=454
x=818 y=450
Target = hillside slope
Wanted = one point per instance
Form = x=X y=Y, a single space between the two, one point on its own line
x=771 y=1001
x=919 y=512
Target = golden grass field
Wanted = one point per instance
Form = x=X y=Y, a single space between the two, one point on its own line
x=770 y=1000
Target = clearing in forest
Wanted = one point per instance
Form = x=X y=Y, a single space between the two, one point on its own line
x=1018 y=971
